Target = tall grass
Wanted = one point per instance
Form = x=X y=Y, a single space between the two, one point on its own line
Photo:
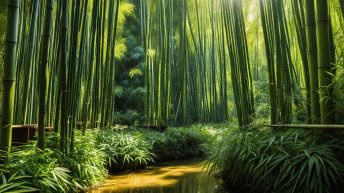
x=182 y=143
x=43 y=167
x=286 y=161
x=17 y=182
x=124 y=149
x=29 y=169
x=134 y=148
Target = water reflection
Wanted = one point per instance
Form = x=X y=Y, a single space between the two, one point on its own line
x=177 y=177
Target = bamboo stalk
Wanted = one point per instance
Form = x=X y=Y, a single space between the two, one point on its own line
x=9 y=79
x=43 y=73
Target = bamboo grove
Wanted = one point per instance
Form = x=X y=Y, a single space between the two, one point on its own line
x=193 y=56
x=61 y=62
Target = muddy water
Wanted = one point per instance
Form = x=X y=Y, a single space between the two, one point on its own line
x=177 y=177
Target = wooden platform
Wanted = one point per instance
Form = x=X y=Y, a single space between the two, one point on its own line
x=22 y=134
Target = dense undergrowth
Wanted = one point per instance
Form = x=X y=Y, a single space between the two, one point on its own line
x=264 y=160
x=128 y=148
x=29 y=169
x=253 y=160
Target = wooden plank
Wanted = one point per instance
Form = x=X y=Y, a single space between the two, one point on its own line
x=49 y=129
x=24 y=126
x=304 y=126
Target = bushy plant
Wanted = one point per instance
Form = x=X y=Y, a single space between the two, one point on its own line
x=43 y=166
x=270 y=161
x=181 y=143
x=87 y=163
x=28 y=169
x=129 y=117
x=124 y=149
x=133 y=148
x=16 y=182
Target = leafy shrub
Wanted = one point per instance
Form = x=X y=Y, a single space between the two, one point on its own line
x=134 y=148
x=87 y=163
x=44 y=168
x=17 y=182
x=127 y=118
x=181 y=143
x=52 y=171
x=291 y=161
x=124 y=149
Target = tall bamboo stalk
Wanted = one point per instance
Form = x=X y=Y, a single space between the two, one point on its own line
x=43 y=72
x=63 y=76
x=312 y=59
x=9 y=79
x=324 y=62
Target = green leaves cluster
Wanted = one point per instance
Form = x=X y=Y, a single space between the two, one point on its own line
x=133 y=148
x=182 y=143
x=15 y=183
x=289 y=161
x=125 y=150
x=29 y=169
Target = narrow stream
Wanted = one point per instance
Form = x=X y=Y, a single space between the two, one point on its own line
x=175 y=177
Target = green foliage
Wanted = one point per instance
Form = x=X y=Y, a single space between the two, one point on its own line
x=17 y=182
x=135 y=72
x=29 y=169
x=130 y=92
x=87 y=163
x=270 y=161
x=127 y=118
x=181 y=143
x=134 y=148
x=125 y=149
x=339 y=90
x=47 y=174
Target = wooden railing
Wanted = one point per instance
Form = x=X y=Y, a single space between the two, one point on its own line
x=304 y=126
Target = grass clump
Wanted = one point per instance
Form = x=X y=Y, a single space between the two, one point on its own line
x=29 y=169
x=134 y=148
x=182 y=143
x=125 y=149
x=16 y=182
x=43 y=167
x=285 y=161
x=87 y=163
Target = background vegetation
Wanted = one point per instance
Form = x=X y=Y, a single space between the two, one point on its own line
x=158 y=63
